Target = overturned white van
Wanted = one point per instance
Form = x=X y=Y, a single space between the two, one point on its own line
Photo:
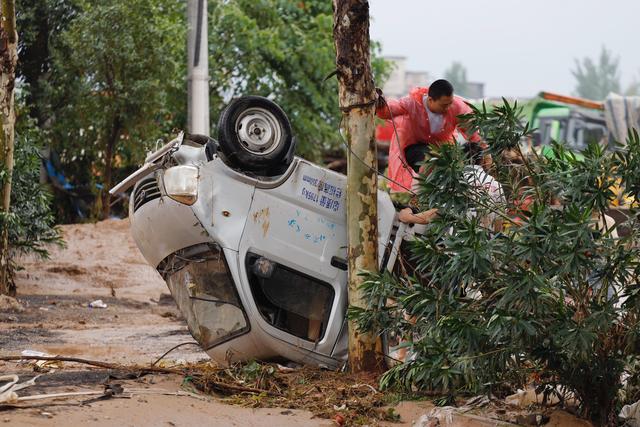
x=250 y=239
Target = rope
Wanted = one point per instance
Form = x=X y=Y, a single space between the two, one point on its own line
x=397 y=140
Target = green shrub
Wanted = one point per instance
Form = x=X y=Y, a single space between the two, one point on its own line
x=554 y=296
x=30 y=221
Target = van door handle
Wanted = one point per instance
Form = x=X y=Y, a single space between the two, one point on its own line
x=340 y=263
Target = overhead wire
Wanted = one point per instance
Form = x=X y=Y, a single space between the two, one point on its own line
x=375 y=169
x=395 y=130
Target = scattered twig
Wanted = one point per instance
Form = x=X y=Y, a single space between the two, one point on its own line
x=183 y=393
x=309 y=390
x=173 y=348
x=11 y=381
x=239 y=389
x=150 y=369
x=54 y=395
x=96 y=363
x=128 y=394
x=365 y=385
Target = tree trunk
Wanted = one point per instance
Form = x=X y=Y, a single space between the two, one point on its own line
x=108 y=167
x=357 y=102
x=8 y=60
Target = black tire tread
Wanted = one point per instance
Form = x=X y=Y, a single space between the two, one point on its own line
x=234 y=153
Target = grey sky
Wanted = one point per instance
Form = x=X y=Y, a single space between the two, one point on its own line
x=516 y=47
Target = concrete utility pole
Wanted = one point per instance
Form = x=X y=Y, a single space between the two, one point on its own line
x=198 y=68
x=357 y=101
x=8 y=60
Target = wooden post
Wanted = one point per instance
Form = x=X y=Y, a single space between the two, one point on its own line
x=8 y=60
x=357 y=101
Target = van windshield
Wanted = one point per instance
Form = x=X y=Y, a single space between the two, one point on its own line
x=200 y=282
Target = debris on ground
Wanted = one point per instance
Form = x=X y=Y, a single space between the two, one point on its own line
x=498 y=414
x=531 y=396
x=97 y=304
x=164 y=299
x=631 y=414
x=427 y=421
x=103 y=255
x=8 y=303
x=343 y=398
x=353 y=398
x=40 y=365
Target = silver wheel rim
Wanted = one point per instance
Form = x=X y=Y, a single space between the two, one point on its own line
x=259 y=131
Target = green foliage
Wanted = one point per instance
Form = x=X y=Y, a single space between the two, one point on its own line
x=39 y=24
x=107 y=79
x=30 y=221
x=596 y=80
x=500 y=125
x=32 y=225
x=457 y=76
x=554 y=296
x=283 y=50
x=116 y=84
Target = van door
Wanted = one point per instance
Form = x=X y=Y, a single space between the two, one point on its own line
x=292 y=234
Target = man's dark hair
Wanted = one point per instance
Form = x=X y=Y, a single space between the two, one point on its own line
x=416 y=154
x=473 y=152
x=440 y=88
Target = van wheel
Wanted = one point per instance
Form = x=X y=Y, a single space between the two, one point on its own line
x=255 y=135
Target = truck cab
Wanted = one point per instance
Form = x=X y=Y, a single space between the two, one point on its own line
x=574 y=121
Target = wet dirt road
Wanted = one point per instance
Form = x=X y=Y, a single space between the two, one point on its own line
x=138 y=325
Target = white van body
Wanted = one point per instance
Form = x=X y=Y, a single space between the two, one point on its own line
x=257 y=265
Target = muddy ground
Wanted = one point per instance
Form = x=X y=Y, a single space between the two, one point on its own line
x=100 y=261
x=138 y=325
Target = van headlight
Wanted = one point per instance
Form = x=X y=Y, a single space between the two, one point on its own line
x=181 y=184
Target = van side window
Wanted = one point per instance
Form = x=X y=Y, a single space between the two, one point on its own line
x=289 y=300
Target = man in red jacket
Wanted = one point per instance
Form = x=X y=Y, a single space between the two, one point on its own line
x=426 y=116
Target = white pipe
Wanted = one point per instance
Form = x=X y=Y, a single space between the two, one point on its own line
x=198 y=68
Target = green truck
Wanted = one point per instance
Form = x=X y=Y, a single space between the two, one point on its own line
x=574 y=121
x=579 y=122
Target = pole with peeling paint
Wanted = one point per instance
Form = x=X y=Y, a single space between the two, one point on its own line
x=198 y=68
x=357 y=102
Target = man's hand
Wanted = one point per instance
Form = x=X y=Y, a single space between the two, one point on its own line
x=487 y=160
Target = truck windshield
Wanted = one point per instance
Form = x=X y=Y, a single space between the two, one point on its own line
x=199 y=280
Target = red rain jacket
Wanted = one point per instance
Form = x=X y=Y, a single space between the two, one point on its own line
x=412 y=123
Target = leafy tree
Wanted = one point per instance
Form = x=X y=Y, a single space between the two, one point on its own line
x=8 y=59
x=457 y=76
x=39 y=23
x=31 y=221
x=283 y=50
x=117 y=70
x=596 y=80
x=553 y=296
x=33 y=230
x=108 y=78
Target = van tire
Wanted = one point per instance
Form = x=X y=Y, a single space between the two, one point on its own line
x=255 y=135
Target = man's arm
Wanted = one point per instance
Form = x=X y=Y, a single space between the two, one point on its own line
x=407 y=216
x=390 y=108
x=461 y=108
